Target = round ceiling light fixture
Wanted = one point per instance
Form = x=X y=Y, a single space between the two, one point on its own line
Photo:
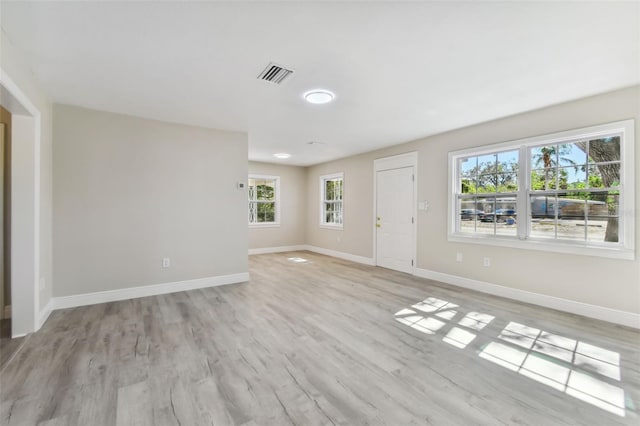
x=282 y=155
x=319 y=96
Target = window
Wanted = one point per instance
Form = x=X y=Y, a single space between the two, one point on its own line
x=264 y=201
x=331 y=194
x=563 y=192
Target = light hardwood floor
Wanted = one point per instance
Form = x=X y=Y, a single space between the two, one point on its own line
x=322 y=342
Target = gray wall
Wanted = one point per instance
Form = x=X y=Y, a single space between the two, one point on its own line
x=599 y=281
x=293 y=196
x=130 y=191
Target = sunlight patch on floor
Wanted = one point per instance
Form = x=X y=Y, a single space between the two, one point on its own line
x=567 y=365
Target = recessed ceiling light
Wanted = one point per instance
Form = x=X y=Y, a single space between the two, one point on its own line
x=319 y=96
x=282 y=155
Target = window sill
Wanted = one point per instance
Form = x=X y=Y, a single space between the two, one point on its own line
x=541 y=245
x=264 y=225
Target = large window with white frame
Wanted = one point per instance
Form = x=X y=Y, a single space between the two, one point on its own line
x=331 y=200
x=264 y=200
x=568 y=192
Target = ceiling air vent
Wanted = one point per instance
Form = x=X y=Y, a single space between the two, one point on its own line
x=275 y=73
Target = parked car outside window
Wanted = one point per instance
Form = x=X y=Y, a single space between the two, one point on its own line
x=470 y=214
x=500 y=215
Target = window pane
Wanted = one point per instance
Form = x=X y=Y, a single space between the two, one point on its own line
x=333 y=189
x=266 y=212
x=544 y=180
x=542 y=206
x=338 y=213
x=572 y=154
x=469 y=214
x=508 y=161
x=544 y=157
x=573 y=177
x=571 y=208
x=328 y=207
x=329 y=190
x=486 y=220
x=468 y=185
x=487 y=183
x=604 y=175
x=468 y=166
x=543 y=221
x=487 y=163
x=506 y=216
x=605 y=149
x=265 y=189
x=603 y=217
x=507 y=182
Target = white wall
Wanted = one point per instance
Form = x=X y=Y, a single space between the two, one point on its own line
x=293 y=196
x=130 y=191
x=597 y=281
x=14 y=65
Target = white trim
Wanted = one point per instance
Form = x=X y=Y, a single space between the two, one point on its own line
x=147 y=290
x=44 y=313
x=628 y=319
x=396 y=161
x=25 y=265
x=341 y=255
x=408 y=159
x=566 y=247
x=266 y=250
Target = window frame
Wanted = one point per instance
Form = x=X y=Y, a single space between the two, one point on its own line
x=323 y=222
x=276 y=222
x=624 y=249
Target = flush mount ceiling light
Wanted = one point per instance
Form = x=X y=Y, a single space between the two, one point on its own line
x=319 y=96
x=282 y=155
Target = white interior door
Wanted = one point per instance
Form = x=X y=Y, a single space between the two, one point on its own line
x=394 y=219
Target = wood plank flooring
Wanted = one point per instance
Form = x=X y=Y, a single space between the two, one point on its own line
x=322 y=342
x=8 y=346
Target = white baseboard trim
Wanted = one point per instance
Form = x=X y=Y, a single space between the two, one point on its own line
x=266 y=250
x=341 y=255
x=144 y=291
x=628 y=319
x=44 y=313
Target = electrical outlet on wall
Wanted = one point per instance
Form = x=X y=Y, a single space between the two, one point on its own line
x=458 y=257
x=486 y=262
x=166 y=262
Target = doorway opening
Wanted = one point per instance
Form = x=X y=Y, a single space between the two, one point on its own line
x=5 y=223
x=25 y=207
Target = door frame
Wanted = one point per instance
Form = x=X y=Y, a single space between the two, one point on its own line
x=25 y=207
x=399 y=161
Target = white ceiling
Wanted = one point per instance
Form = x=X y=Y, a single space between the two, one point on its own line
x=401 y=71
